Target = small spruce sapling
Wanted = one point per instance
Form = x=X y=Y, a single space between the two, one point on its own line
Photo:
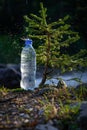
x=54 y=37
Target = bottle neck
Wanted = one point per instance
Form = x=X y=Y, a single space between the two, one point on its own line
x=28 y=45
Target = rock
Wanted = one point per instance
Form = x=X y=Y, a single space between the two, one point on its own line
x=45 y=127
x=25 y=116
x=82 y=118
x=61 y=84
x=2 y=65
x=10 y=76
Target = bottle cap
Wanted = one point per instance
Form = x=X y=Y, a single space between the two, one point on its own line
x=28 y=42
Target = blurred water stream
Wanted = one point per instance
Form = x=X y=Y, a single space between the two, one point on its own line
x=72 y=78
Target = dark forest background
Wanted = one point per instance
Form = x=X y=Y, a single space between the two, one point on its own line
x=13 y=11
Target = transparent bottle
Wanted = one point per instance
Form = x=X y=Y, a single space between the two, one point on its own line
x=28 y=66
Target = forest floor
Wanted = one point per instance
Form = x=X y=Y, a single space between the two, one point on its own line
x=22 y=110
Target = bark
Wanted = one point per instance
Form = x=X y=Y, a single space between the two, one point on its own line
x=45 y=73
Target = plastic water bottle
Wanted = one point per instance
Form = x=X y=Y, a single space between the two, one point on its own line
x=28 y=66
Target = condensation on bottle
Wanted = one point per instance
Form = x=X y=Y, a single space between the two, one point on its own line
x=28 y=66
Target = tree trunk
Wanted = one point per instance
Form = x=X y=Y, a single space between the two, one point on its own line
x=45 y=73
x=44 y=76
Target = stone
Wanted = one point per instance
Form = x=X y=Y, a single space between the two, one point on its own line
x=82 y=118
x=61 y=84
x=2 y=66
x=45 y=127
x=10 y=76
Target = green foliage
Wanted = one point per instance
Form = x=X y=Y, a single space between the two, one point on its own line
x=3 y=91
x=49 y=109
x=68 y=115
x=67 y=111
x=9 y=49
x=56 y=37
x=81 y=92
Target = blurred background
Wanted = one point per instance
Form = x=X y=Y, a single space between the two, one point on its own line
x=12 y=22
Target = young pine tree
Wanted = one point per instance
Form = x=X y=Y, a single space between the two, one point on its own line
x=55 y=37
